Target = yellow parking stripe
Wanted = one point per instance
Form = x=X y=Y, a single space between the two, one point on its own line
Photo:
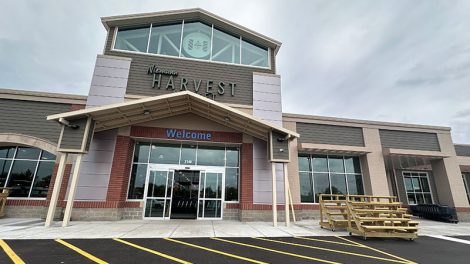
x=10 y=253
x=215 y=251
x=328 y=241
x=81 y=252
x=275 y=251
x=376 y=250
x=152 y=251
x=331 y=250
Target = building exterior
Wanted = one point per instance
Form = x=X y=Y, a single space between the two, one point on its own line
x=184 y=120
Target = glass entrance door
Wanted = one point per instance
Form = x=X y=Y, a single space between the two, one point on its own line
x=158 y=194
x=211 y=193
x=185 y=195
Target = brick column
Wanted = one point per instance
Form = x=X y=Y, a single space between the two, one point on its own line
x=246 y=175
x=122 y=162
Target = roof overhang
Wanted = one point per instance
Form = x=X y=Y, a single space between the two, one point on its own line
x=414 y=153
x=332 y=149
x=204 y=15
x=152 y=108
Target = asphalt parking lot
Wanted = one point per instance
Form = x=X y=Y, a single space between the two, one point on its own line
x=333 y=249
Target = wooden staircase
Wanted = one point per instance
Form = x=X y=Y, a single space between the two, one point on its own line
x=379 y=216
x=333 y=211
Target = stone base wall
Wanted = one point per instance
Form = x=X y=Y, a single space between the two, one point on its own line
x=463 y=216
x=28 y=211
x=266 y=215
x=231 y=214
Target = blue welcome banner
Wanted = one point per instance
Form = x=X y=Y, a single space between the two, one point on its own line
x=188 y=134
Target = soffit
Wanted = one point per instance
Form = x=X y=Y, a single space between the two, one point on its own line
x=132 y=112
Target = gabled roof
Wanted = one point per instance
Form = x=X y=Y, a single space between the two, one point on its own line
x=191 y=14
x=153 y=108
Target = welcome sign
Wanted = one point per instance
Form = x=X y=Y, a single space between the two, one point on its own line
x=188 y=134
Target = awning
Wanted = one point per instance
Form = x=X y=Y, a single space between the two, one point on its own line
x=332 y=149
x=414 y=153
x=151 y=108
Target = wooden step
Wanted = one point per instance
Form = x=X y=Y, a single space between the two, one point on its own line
x=337 y=213
x=381 y=219
x=390 y=227
x=336 y=207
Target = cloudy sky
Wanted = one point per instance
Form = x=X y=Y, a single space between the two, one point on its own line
x=399 y=61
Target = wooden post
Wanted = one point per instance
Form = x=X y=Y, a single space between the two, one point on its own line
x=274 y=204
x=56 y=190
x=72 y=190
x=286 y=194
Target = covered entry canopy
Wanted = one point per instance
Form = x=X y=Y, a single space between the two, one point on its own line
x=78 y=127
x=152 y=108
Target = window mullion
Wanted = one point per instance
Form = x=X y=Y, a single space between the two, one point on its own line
x=150 y=36
x=34 y=175
x=212 y=41
x=11 y=166
x=181 y=38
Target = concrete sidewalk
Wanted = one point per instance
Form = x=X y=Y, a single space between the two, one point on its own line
x=16 y=228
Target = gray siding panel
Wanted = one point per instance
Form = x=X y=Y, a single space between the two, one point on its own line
x=330 y=134
x=29 y=118
x=140 y=83
x=280 y=149
x=462 y=150
x=73 y=138
x=409 y=140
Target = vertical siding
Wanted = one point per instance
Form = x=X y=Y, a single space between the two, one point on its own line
x=330 y=134
x=29 y=118
x=409 y=140
x=266 y=106
x=108 y=86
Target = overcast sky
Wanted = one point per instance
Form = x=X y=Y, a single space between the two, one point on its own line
x=398 y=61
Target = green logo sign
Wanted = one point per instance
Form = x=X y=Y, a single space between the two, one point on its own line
x=197 y=45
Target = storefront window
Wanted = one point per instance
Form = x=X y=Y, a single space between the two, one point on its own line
x=211 y=156
x=184 y=154
x=194 y=40
x=165 y=40
x=254 y=55
x=27 y=171
x=165 y=153
x=133 y=39
x=417 y=188
x=226 y=48
x=137 y=182
x=188 y=154
x=324 y=174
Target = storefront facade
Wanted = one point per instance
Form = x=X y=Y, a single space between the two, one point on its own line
x=183 y=120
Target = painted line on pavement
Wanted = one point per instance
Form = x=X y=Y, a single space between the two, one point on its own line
x=328 y=241
x=377 y=250
x=10 y=253
x=152 y=251
x=275 y=251
x=81 y=252
x=453 y=239
x=215 y=251
x=331 y=250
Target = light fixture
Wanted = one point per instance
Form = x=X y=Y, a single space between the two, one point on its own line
x=146 y=112
x=227 y=119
